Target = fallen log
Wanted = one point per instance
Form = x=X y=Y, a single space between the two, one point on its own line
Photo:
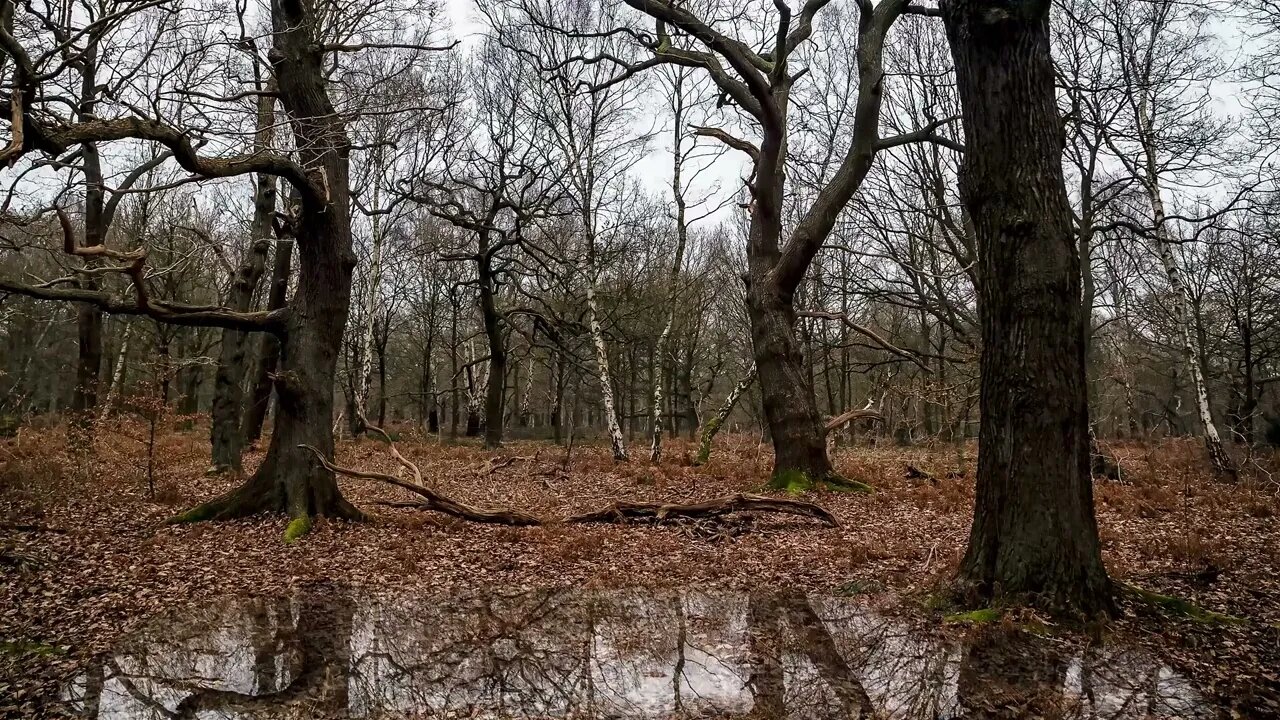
x=623 y=510
x=620 y=511
x=914 y=473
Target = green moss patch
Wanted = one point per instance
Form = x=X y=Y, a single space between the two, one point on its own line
x=297 y=527
x=21 y=648
x=795 y=482
x=1179 y=607
x=981 y=616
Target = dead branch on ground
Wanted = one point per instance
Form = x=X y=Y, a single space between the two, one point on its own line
x=624 y=510
x=621 y=511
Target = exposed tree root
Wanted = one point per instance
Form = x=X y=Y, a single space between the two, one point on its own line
x=657 y=511
x=799 y=481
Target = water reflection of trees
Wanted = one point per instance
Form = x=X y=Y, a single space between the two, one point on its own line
x=609 y=654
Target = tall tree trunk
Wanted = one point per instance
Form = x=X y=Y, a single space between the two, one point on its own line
x=226 y=436
x=89 y=316
x=1034 y=535
x=616 y=441
x=365 y=377
x=290 y=478
x=495 y=392
x=269 y=347
x=1190 y=346
x=453 y=369
x=381 y=347
x=117 y=377
x=786 y=385
x=677 y=265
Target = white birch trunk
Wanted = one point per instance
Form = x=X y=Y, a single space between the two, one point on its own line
x=117 y=376
x=616 y=440
x=371 y=299
x=1222 y=463
x=682 y=237
x=525 y=411
x=714 y=424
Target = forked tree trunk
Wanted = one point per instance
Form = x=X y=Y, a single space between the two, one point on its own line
x=1034 y=535
x=290 y=478
x=226 y=435
x=786 y=389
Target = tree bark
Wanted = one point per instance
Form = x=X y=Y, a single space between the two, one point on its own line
x=1034 y=535
x=269 y=347
x=364 y=380
x=1190 y=346
x=677 y=264
x=495 y=392
x=89 y=316
x=117 y=376
x=616 y=441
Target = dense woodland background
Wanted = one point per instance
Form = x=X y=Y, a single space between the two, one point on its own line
x=471 y=144
x=545 y=251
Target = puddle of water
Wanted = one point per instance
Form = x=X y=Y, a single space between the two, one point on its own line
x=626 y=654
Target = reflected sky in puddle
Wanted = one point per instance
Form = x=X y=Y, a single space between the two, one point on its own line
x=603 y=654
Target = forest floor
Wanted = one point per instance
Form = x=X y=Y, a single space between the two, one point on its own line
x=85 y=556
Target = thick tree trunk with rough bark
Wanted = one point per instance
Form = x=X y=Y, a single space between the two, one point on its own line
x=786 y=388
x=290 y=479
x=89 y=316
x=1034 y=535
x=226 y=436
x=495 y=392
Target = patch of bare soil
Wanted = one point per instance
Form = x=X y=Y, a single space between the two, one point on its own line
x=85 y=556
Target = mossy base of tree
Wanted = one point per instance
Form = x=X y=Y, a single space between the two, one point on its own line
x=1179 y=607
x=704 y=445
x=297 y=527
x=798 y=481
